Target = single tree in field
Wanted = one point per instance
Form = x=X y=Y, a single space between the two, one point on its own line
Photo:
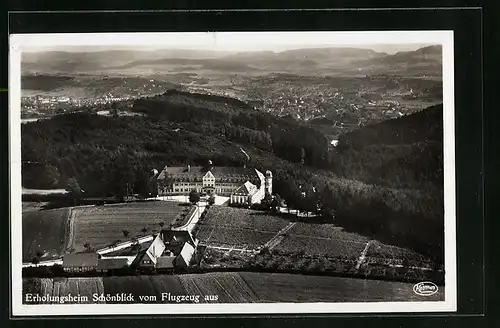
x=35 y=260
x=194 y=197
x=267 y=201
x=74 y=190
x=144 y=230
x=276 y=204
x=125 y=233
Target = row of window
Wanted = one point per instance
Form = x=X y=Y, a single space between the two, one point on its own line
x=222 y=190
x=229 y=180
x=182 y=184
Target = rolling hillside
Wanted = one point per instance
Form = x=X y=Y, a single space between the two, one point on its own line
x=294 y=61
x=398 y=150
x=384 y=181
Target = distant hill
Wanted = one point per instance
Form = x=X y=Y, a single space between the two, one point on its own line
x=203 y=63
x=73 y=62
x=92 y=86
x=300 y=59
x=310 y=60
x=423 y=126
x=406 y=151
x=426 y=60
x=173 y=100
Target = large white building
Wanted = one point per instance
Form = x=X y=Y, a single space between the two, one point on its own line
x=241 y=184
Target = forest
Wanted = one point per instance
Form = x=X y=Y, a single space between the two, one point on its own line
x=383 y=180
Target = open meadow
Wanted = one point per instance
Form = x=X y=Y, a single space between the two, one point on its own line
x=322 y=240
x=144 y=286
x=101 y=226
x=280 y=287
x=57 y=287
x=44 y=233
x=243 y=228
x=228 y=286
x=240 y=239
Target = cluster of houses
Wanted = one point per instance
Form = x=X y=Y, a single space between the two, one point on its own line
x=170 y=250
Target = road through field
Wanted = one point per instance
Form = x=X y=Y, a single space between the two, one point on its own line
x=191 y=224
x=124 y=245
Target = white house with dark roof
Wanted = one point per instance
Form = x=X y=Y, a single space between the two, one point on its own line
x=171 y=249
x=154 y=251
x=241 y=184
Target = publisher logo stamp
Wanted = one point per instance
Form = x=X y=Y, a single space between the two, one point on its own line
x=425 y=288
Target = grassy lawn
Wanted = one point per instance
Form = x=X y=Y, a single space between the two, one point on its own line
x=242 y=228
x=100 y=226
x=44 y=233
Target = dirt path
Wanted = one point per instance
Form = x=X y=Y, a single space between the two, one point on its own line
x=69 y=238
x=363 y=254
x=229 y=249
x=279 y=236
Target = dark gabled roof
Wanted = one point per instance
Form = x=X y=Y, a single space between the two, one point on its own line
x=80 y=260
x=177 y=237
x=112 y=263
x=176 y=247
x=165 y=262
x=247 y=188
x=187 y=253
x=155 y=250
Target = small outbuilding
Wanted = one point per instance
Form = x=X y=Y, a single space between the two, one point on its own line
x=111 y=264
x=80 y=262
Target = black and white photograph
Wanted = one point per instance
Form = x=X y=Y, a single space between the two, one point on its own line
x=232 y=172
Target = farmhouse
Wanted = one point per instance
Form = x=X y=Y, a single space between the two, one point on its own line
x=154 y=251
x=82 y=262
x=241 y=184
x=170 y=250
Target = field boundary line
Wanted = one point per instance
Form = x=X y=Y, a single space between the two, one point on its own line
x=223 y=226
x=245 y=287
x=224 y=248
x=273 y=242
x=222 y=287
x=326 y=238
x=71 y=229
x=363 y=254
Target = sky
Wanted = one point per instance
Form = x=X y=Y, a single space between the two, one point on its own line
x=382 y=41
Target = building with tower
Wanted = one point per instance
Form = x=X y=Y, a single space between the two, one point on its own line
x=240 y=184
